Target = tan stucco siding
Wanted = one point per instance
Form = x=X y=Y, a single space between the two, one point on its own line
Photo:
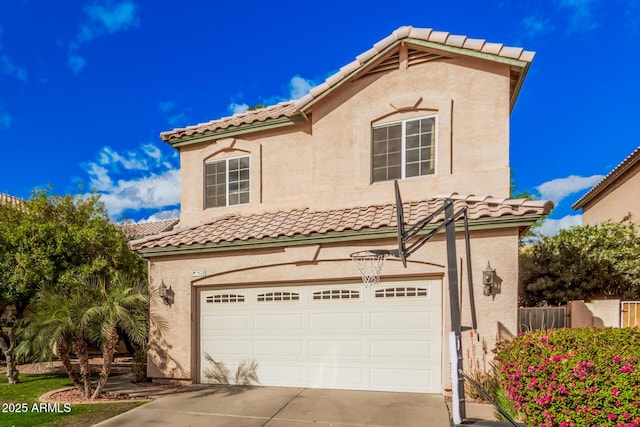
x=616 y=201
x=323 y=264
x=326 y=164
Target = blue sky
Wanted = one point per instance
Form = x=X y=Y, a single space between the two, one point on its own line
x=86 y=88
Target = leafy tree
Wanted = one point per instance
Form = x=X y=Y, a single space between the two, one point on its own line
x=584 y=262
x=121 y=303
x=50 y=242
x=90 y=311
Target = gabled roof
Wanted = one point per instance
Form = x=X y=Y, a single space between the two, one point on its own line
x=426 y=45
x=143 y=229
x=286 y=225
x=611 y=177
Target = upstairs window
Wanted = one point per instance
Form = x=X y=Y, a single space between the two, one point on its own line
x=226 y=182
x=403 y=149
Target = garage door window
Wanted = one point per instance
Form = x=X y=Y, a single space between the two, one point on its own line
x=401 y=292
x=278 y=296
x=334 y=294
x=225 y=298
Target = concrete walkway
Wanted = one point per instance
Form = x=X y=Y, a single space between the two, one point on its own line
x=214 y=406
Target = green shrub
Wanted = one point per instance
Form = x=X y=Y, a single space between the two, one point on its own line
x=573 y=377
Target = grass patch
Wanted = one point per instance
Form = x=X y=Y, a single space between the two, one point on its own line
x=19 y=404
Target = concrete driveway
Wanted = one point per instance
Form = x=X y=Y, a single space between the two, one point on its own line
x=286 y=407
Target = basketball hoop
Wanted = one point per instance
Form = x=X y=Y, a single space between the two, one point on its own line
x=370 y=263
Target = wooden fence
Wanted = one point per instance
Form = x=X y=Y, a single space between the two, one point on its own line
x=630 y=314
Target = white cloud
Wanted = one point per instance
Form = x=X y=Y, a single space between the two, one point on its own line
x=152 y=151
x=154 y=191
x=237 y=108
x=111 y=17
x=162 y=215
x=135 y=179
x=299 y=87
x=551 y=227
x=129 y=161
x=558 y=189
x=103 y=18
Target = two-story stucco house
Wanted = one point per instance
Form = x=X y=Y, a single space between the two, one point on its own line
x=274 y=201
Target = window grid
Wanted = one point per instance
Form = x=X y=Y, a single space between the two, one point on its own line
x=226 y=182
x=278 y=296
x=225 y=298
x=401 y=292
x=333 y=294
x=404 y=149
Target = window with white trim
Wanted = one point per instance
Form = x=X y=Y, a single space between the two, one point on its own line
x=226 y=182
x=403 y=149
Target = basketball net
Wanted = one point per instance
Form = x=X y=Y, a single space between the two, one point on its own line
x=369 y=264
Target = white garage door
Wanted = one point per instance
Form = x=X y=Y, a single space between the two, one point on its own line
x=329 y=336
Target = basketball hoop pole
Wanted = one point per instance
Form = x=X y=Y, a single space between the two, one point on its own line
x=411 y=240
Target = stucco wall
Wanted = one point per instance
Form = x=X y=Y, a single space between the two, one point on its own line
x=174 y=353
x=616 y=201
x=326 y=163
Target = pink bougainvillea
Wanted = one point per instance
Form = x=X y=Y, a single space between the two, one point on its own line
x=566 y=378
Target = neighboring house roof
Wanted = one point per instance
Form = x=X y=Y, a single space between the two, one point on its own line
x=6 y=199
x=302 y=222
x=379 y=58
x=611 y=177
x=143 y=229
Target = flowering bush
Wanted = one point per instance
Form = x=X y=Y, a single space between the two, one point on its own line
x=573 y=377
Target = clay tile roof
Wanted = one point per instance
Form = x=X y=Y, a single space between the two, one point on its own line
x=142 y=229
x=625 y=165
x=283 y=109
x=293 y=108
x=304 y=222
x=425 y=34
x=6 y=199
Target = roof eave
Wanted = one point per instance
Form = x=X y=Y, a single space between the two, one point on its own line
x=507 y=221
x=518 y=87
x=619 y=170
x=233 y=130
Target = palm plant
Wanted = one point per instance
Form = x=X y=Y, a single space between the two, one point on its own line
x=120 y=303
x=53 y=324
x=87 y=311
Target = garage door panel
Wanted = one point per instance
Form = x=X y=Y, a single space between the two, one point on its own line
x=278 y=321
x=224 y=322
x=329 y=336
x=336 y=349
x=277 y=347
x=405 y=320
x=281 y=375
x=401 y=349
x=226 y=348
x=335 y=321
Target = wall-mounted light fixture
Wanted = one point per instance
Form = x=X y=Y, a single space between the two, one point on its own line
x=488 y=279
x=163 y=293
